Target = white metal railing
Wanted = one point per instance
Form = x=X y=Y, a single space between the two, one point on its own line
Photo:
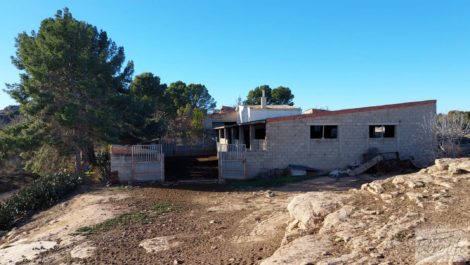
x=255 y=146
x=147 y=153
x=231 y=151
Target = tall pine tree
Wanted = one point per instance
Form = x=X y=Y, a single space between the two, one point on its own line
x=72 y=84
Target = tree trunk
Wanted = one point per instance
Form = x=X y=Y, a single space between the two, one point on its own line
x=91 y=157
x=78 y=161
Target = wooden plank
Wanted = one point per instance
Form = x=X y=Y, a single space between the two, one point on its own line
x=364 y=167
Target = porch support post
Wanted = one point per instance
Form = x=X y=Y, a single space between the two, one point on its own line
x=252 y=136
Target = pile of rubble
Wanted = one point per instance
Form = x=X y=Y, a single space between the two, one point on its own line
x=381 y=223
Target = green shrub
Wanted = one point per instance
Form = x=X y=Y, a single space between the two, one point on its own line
x=104 y=165
x=42 y=192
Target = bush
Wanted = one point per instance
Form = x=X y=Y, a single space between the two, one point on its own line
x=42 y=192
x=104 y=165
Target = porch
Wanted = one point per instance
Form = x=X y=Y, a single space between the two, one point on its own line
x=252 y=135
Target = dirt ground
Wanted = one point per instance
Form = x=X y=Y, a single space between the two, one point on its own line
x=207 y=225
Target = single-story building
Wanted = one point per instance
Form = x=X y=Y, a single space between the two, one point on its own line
x=278 y=136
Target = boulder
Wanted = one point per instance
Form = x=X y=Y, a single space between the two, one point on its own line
x=312 y=207
x=374 y=187
x=460 y=167
x=337 y=218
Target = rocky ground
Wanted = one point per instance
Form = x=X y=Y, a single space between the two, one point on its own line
x=395 y=220
x=419 y=218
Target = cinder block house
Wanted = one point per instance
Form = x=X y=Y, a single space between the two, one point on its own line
x=279 y=136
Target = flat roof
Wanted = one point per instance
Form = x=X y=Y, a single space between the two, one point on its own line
x=241 y=124
x=347 y=111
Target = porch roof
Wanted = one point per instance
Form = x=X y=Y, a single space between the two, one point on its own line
x=240 y=124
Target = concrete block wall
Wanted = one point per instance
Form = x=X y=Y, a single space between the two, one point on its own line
x=288 y=140
x=254 y=163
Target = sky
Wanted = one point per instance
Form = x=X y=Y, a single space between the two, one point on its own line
x=332 y=54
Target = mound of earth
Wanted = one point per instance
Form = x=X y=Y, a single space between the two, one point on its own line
x=419 y=218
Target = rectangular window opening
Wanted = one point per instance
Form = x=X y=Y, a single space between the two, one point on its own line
x=260 y=133
x=316 y=132
x=331 y=132
x=323 y=132
x=381 y=131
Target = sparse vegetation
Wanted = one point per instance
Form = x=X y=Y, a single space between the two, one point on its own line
x=126 y=219
x=447 y=133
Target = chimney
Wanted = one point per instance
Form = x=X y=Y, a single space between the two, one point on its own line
x=263 y=99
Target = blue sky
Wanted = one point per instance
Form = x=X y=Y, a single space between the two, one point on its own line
x=335 y=54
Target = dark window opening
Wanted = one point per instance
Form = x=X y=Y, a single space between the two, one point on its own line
x=260 y=133
x=382 y=131
x=222 y=133
x=236 y=134
x=326 y=132
x=316 y=132
x=389 y=131
x=331 y=132
x=228 y=136
x=246 y=136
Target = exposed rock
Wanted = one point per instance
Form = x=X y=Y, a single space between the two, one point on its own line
x=15 y=253
x=310 y=208
x=300 y=251
x=338 y=217
x=443 y=184
x=269 y=194
x=375 y=187
x=459 y=168
x=415 y=184
x=158 y=244
x=367 y=224
x=83 y=250
x=415 y=197
x=293 y=231
x=344 y=259
x=453 y=166
x=442 y=164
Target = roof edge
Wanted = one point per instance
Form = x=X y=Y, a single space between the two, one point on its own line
x=354 y=110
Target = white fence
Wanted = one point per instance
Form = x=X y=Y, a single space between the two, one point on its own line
x=232 y=161
x=138 y=162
